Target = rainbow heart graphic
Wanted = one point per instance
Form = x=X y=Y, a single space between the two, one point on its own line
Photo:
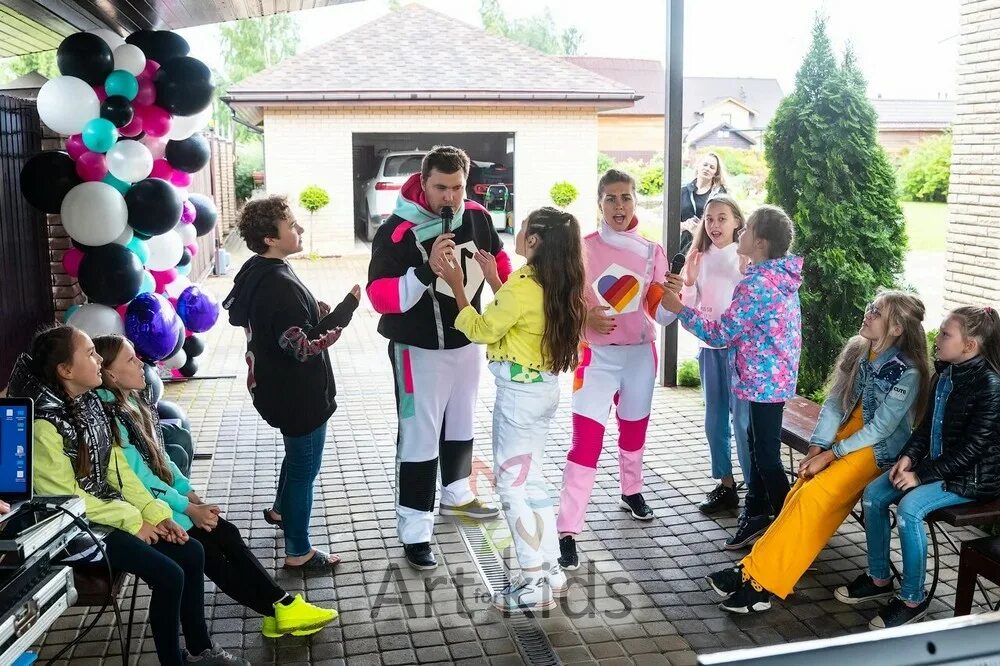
x=618 y=291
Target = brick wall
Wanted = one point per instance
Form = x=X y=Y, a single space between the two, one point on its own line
x=313 y=145
x=972 y=270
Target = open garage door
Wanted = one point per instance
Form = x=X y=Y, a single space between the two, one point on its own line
x=383 y=162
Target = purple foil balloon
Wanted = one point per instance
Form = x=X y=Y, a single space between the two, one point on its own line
x=152 y=326
x=197 y=309
x=187 y=212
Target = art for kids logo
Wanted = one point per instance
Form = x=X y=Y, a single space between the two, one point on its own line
x=619 y=289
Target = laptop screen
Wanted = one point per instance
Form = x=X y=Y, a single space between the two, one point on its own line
x=15 y=449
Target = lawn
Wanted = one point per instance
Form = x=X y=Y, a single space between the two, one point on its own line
x=925 y=225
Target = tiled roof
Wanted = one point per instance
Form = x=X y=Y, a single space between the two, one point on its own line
x=646 y=77
x=914 y=113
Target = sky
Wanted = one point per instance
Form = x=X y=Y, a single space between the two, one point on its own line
x=906 y=48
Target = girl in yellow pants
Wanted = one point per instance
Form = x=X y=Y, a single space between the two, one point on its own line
x=878 y=390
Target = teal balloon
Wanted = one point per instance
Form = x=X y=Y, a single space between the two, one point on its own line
x=120 y=82
x=141 y=250
x=119 y=185
x=148 y=283
x=184 y=270
x=73 y=308
x=100 y=135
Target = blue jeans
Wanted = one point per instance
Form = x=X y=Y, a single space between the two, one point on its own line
x=721 y=409
x=294 y=500
x=914 y=505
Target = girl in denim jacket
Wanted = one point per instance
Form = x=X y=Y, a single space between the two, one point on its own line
x=878 y=390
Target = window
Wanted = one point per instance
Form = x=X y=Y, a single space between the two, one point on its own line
x=723 y=134
x=727 y=118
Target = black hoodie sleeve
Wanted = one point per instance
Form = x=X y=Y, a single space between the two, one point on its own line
x=289 y=323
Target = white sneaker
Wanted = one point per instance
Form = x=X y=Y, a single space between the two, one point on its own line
x=525 y=595
x=558 y=583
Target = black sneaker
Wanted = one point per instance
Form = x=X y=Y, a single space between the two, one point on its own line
x=748 y=530
x=726 y=582
x=862 y=589
x=637 y=506
x=419 y=556
x=751 y=597
x=722 y=497
x=897 y=613
x=568 y=558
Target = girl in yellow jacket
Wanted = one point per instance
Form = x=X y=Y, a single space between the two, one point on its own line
x=532 y=330
x=75 y=453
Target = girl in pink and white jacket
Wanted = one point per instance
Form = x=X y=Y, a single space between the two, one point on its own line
x=617 y=358
x=762 y=327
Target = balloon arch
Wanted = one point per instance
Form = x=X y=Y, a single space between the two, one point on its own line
x=131 y=110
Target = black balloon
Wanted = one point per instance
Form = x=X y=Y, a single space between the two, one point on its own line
x=118 y=110
x=47 y=178
x=169 y=410
x=190 y=367
x=110 y=275
x=194 y=346
x=205 y=213
x=81 y=247
x=190 y=154
x=85 y=56
x=141 y=235
x=154 y=207
x=153 y=381
x=184 y=86
x=185 y=258
x=159 y=45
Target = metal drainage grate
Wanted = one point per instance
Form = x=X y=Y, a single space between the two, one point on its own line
x=528 y=635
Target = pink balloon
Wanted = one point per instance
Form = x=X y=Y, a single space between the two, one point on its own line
x=101 y=93
x=155 y=121
x=156 y=144
x=161 y=169
x=147 y=93
x=122 y=309
x=187 y=212
x=192 y=248
x=163 y=278
x=150 y=69
x=175 y=373
x=172 y=301
x=75 y=146
x=180 y=178
x=134 y=128
x=92 y=166
x=71 y=261
x=187 y=333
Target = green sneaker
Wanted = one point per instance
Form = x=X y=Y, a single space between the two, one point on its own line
x=270 y=627
x=301 y=618
x=474 y=509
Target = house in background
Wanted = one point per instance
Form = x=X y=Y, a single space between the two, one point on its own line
x=905 y=122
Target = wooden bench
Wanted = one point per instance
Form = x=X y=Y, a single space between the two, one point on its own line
x=980 y=557
x=799 y=421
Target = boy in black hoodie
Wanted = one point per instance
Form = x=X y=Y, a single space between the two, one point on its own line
x=289 y=377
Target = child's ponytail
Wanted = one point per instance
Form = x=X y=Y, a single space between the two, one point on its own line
x=981 y=324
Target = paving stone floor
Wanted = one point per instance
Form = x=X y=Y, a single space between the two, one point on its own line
x=638 y=598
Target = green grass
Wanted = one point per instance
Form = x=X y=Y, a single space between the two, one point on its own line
x=925 y=225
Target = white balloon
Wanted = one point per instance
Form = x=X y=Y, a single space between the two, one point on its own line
x=177 y=287
x=188 y=233
x=176 y=361
x=129 y=161
x=165 y=251
x=111 y=38
x=130 y=58
x=95 y=319
x=156 y=144
x=126 y=236
x=94 y=213
x=66 y=104
x=184 y=126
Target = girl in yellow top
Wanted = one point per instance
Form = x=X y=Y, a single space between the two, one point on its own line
x=532 y=331
x=878 y=391
x=76 y=452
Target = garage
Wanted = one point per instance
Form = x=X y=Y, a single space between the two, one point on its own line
x=382 y=161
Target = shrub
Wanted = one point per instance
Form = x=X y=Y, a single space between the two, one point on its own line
x=924 y=171
x=688 y=374
x=931 y=339
x=249 y=158
x=742 y=162
x=313 y=198
x=563 y=194
x=604 y=163
x=651 y=180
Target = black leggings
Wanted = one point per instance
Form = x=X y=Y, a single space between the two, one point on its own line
x=230 y=565
x=767 y=483
x=175 y=575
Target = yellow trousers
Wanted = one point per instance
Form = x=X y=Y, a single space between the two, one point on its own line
x=813 y=510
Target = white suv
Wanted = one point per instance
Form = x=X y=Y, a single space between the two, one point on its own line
x=382 y=190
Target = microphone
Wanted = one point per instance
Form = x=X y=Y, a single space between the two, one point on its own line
x=447 y=215
x=677 y=263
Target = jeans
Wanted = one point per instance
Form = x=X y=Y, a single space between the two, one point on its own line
x=237 y=572
x=722 y=408
x=176 y=578
x=914 y=505
x=294 y=499
x=767 y=483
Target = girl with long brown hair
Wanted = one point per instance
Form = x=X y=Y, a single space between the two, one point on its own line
x=228 y=561
x=532 y=331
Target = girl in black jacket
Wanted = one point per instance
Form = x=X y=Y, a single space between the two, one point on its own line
x=709 y=180
x=953 y=457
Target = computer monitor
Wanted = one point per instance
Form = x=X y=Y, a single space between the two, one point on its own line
x=972 y=640
x=16 y=417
